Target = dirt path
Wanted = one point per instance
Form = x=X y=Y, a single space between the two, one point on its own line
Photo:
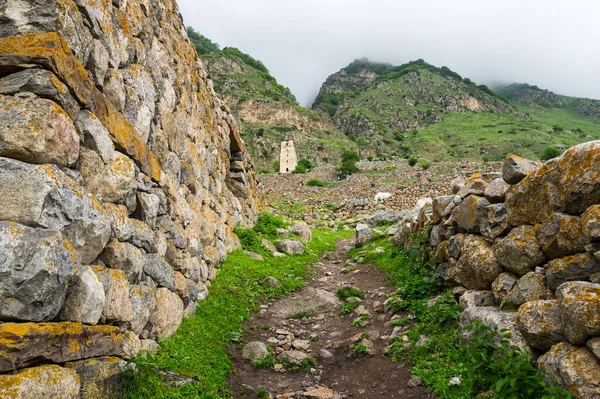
x=328 y=337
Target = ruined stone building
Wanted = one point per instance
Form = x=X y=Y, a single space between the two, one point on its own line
x=288 y=158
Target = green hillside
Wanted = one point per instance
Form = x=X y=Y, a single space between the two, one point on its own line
x=267 y=112
x=419 y=109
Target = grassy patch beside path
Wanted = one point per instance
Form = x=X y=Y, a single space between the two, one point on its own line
x=200 y=346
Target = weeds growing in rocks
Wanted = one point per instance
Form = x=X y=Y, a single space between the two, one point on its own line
x=301 y=315
x=487 y=363
x=347 y=292
x=359 y=349
x=360 y=320
x=264 y=363
x=348 y=307
x=199 y=349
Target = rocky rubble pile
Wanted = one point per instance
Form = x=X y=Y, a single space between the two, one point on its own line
x=122 y=177
x=524 y=248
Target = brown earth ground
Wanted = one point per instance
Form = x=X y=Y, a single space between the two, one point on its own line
x=366 y=376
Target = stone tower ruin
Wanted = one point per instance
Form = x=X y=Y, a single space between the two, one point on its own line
x=288 y=158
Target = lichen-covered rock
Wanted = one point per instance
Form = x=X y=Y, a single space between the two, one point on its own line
x=474 y=185
x=42 y=382
x=143 y=303
x=580 y=177
x=571 y=268
x=119 y=221
x=111 y=182
x=496 y=223
x=126 y=257
x=100 y=378
x=573 y=368
x=496 y=191
x=590 y=221
x=291 y=247
x=492 y=318
x=439 y=233
x=37 y=130
x=363 y=235
x=44 y=196
x=472 y=299
x=302 y=230
x=442 y=207
x=25 y=344
x=157 y=267
x=516 y=168
x=142 y=236
x=594 y=345
x=43 y=84
x=470 y=213
x=519 y=252
x=455 y=244
x=503 y=284
x=254 y=351
x=530 y=287
x=95 y=136
x=579 y=310
x=540 y=324
x=536 y=197
x=477 y=267
x=35 y=268
x=85 y=298
x=148 y=206
x=168 y=313
x=561 y=235
x=117 y=306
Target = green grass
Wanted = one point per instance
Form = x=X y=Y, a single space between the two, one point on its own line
x=349 y=307
x=347 y=292
x=199 y=349
x=480 y=364
x=359 y=349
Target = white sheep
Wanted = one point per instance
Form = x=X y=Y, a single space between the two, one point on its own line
x=382 y=197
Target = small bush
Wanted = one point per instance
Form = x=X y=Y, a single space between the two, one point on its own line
x=412 y=161
x=347 y=292
x=264 y=363
x=276 y=165
x=361 y=319
x=425 y=165
x=360 y=349
x=348 y=307
x=267 y=224
x=249 y=239
x=316 y=183
x=305 y=163
x=262 y=394
x=300 y=170
x=550 y=153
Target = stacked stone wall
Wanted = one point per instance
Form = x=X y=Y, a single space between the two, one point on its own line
x=122 y=177
x=522 y=248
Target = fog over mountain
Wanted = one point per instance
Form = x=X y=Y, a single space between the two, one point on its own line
x=549 y=43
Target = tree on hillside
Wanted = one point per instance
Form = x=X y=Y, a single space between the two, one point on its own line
x=203 y=44
x=348 y=163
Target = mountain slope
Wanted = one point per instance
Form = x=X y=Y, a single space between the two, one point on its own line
x=268 y=112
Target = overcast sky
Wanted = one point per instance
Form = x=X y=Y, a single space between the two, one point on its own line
x=553 y=44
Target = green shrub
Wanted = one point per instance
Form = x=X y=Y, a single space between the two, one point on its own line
x=361 y=319
x=359 y=349
x=316 y=183
x=348 y=163
x=412 y=161
x=262 y=394
x=308 y=165
x=425 y=165
x=267 y=224
x=550 y=153
x=276 y=166
x=349 y=307
x=249 y=239
x=347 y=292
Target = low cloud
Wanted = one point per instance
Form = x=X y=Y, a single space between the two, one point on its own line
x=549 y=43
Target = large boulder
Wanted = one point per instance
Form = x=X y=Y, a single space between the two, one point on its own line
x=536 y=197
x=496 y=191
x=254 y=351
x=37 y=130
x=302 y=230
x=117 y=306
x=363 y=235
x=36 y=266
x=477 y=267
x=168 y=313
x=85 y=299
x=515 y=168
x=573 y=368
x=291 y=247
x=442 y=207
x=590 y=221
x=519 y=252
x=571 y=268
x=25 y=344
x=309 y=300
x=579 y=310
x=503 y=285
x=111 y=182
x=100 y=378
x=580 y=177
x=496 y=223
x=470 y=213
x=126 y=257
x=540 y=324
x=530 y=287
x=143 y=303
x=42 y=382
x=157 y=267
x=95 y=136
x=493 y=318
x=561 y=235
x=44 y=196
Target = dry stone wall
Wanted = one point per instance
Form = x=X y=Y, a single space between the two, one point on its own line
x=122 y=177
x=523 y=249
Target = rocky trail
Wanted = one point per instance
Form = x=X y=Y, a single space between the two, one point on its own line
x=349 y=359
